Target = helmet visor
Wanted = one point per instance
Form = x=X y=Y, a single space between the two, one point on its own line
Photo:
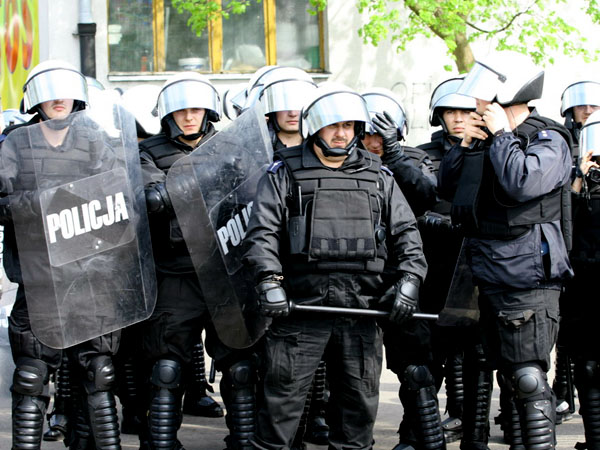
x=377 y=103
x=54 y=84
x=286 y=95
x=188 y=94
x=590 y=135
x=579 y=94
x=333 y=108
x=481 y=82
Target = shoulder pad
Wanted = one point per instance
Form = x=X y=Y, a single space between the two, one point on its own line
x=275 y=165
x=544 y=135
x=386 y=170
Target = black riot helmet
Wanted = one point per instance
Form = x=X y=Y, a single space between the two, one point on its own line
x=332 y=103
x=380 y=100
x=187 y=90
x=444 y=97
x=53 y=80
x=507 y=78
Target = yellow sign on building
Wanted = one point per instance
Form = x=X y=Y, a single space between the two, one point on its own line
x=19 y=47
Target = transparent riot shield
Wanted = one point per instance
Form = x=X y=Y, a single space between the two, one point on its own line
x=212 y=191
x=461 y=308
x=79 y=212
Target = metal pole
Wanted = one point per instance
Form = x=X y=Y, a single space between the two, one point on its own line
x=86 y=29
x=352 y=311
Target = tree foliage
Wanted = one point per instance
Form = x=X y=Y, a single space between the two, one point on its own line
x=533 y=27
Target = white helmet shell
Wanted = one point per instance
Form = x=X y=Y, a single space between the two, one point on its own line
x=589 y=138
x=580 y=94
x=53 y=80
x=188 y=90
x=507 y=78
x=445 y=96
x=380 y=100
x=332 y=103
x=286 y=89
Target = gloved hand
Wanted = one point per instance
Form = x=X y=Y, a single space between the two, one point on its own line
x=435 y=221
x=272 y=297
x=404 y=296
x=157 y=199
x=385 y=126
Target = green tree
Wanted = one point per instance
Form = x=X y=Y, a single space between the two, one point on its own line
x=532 y=27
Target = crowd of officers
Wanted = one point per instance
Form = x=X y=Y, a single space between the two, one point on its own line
x=492 y=225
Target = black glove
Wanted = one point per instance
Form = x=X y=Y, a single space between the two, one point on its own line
x=157 y=199
x=405 y=296
x=272 y=298
x=435 y=221
x=385 y=126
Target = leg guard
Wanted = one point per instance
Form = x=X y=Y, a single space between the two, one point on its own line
x=80 y=435
x=29 y=403
x=455 y=390
x=587 y=377
x=418 y=387
x=164 y=416
x=238 y=383
x=196 y=401
x=58 y=418
x=128 y=395
x=536 y=405
x=317 y=431
x=102 y=407
x=478 y=399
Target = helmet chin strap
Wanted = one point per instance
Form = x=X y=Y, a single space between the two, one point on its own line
x=335 y=151
x=175 y=131
x=53 y=124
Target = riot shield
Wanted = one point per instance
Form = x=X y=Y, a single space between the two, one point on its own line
x=212 y=190
x=461 y=308
x=78 y=208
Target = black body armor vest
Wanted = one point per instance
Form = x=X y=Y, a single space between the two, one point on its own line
x=334 y=216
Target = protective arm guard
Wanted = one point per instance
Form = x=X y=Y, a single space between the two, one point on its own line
x=272 y=297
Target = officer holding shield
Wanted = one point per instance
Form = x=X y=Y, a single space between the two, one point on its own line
x=364 y=248
x=506 y=180
x=188 y=105
x=55 y=145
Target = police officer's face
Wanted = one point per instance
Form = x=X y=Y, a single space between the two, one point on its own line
x=455 y=120
x=582 y=112
x=57 y=109
x=288 y=120
x=189 y=120
x=373 y=143
x=338 y=135
x=480 y=105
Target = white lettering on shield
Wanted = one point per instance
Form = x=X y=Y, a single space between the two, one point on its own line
x=234 y=230
x=82 y=219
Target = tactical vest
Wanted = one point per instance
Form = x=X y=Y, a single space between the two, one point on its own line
x=500 y=217
x=586 y=236
x=334 y=216
x=435 y=150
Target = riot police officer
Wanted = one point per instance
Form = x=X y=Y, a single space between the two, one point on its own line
x=506 y=180
x=408 y=347
x=188 y=105
x=578 y=313
x=354 y=255
x=454 y=336
x=54 y=90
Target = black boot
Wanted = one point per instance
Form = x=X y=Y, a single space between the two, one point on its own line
x=455 y=391
x=478 y=383
x=196 y=401
x=562 y=385
x=317 y=430
x=58 y=419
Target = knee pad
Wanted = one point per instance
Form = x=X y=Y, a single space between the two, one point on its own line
x=30 y=377
x=417 y=377
x=530 y=383
x=166 y=373
x=100 y=374
x=242 y=374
